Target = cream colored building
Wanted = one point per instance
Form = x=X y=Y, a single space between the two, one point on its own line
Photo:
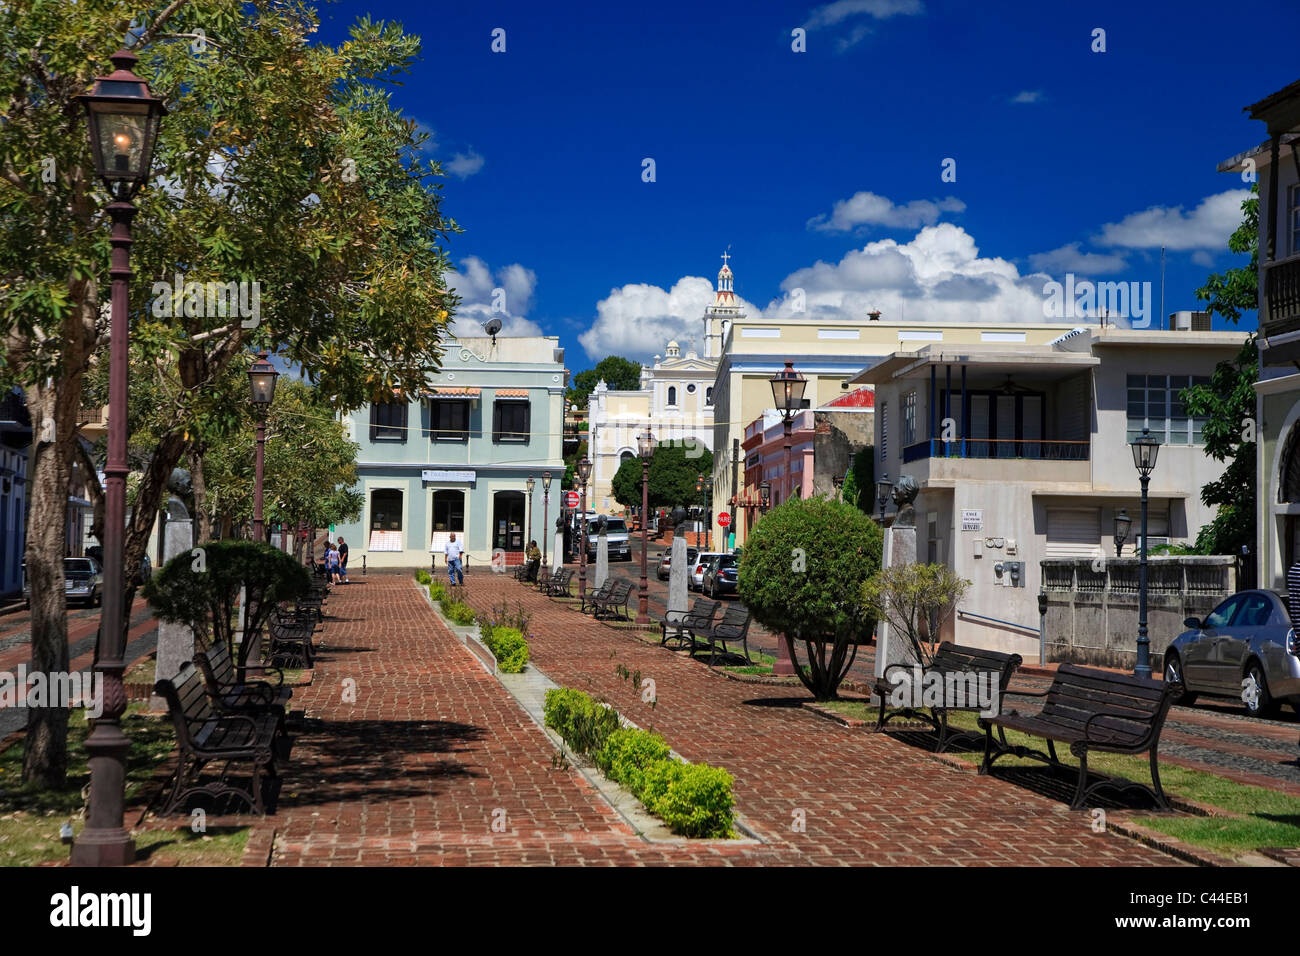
x=828 y=352
x=1022 y=453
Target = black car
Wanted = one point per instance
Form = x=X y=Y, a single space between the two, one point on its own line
x=720 y=576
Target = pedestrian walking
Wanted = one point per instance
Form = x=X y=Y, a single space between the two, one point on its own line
x=343 y=560
x=332 y=563
x=453 y=551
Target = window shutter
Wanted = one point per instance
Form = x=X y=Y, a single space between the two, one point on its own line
x=528 y=420
x=374 y=424
x=403 y=417
x=496 y=421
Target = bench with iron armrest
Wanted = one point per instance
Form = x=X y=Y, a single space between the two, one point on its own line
x=231 y=695
x=543 y=580
x=560 y=583
x=313 y=602
x=734 y=626
x=607 y=604
x=204 y=736
x=291 y=640
x=1091 y=710
x=527 y=571
x=963 y=664
x=589 y=601
x=682 y=623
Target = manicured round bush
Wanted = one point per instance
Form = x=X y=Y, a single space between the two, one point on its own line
x=458 y=612
x=628 y=753
x=695 y=800
x=508 y=647
x=422 y=576
x=583 y=722
x=437 y=591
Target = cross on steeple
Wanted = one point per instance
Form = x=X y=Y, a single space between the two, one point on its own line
x=724 y=258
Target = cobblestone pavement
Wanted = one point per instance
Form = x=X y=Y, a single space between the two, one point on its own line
x=415 y=770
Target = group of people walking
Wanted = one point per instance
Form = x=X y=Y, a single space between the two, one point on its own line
x=336 y=561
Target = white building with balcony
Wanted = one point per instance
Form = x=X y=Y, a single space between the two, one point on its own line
x=1023 y=454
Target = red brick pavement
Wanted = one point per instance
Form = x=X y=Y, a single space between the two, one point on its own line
x=412 y=772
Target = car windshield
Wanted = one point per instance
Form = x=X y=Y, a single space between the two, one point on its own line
x=77 y=566
x=727 y=561
x=612 y=526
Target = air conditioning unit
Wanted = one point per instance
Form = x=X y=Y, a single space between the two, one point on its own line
x=1152 y=542
x=1187 y=321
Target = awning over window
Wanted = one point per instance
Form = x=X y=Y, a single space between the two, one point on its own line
x=453 y=391
x=512 y=393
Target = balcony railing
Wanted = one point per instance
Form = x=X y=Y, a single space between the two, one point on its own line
x=1032 y=449
x=90 y=416
x=1282 y=295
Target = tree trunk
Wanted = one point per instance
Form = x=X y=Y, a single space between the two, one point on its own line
x=202 y=516
x=45 y=751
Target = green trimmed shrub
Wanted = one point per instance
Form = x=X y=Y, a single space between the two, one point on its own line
x=507 y=646
x=437 y=591
x=584 y=723
x=627 y=755
x=694 y=799
x=423 y=577
x=458 y=612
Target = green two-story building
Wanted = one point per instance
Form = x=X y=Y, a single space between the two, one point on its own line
x=458 y=457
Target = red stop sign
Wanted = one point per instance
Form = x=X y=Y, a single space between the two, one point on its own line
x=724 y=519
x=570 y=499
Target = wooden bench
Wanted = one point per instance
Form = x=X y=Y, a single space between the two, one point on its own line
x=291 y=639
x=560 y=582
x=699 y=616
x=203 y=736
x=734 y=626
x=959 y=661
x=1091 y=710
x=589 y=601
x=231 y=695
x=618 y=596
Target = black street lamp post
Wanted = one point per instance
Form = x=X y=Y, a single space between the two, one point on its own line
x=787 y=397
x=703 y=484
x=261 y=382
x=546 y=513
x=1145 y=448
x=123 y=117
x=646 y=447
x=883 y=487
x=765 y=495
x=1122 y=523
x=583 y=473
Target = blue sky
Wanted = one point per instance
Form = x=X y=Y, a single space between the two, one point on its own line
x=821 y=170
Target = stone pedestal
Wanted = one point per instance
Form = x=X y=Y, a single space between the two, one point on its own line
x=891 y=648
x=175 y=641
x=677 y=571
x=602 y=559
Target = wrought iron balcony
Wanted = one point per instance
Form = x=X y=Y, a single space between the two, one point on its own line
x=1282 y=296
x=1036 y=449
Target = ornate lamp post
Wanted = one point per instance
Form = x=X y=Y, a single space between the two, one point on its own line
x=883 y=487
x=584 y=472
x=1122 y=524
x=261 y=382
x=787 y=397
x=646 y=446
x=530 y=484
x=1145 y=448
x=122 y=117
x=546 y=513
x=765 y=495
x=703 y=484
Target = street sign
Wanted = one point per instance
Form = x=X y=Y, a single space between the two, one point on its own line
x=724 y=519
x=570 y=499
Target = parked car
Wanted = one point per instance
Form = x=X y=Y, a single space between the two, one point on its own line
x=666 y=560
x=721 y=575
x=1245 y=648
x=701 y=564
x=146 y=566
x=620 y=548
x=83 y=580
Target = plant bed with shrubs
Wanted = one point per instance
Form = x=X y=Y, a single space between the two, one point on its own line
x=694 y=800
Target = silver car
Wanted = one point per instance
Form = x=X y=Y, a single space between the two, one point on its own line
x=1245 y=648
x=83 y=580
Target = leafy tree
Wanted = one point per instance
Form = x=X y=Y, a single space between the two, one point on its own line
x=202 y=590
x=915 y=599
x=860 y=483
x=672 y=477
x=619 y=374
x=1228 y=401
x=310 y=466
x=283 y=163
x=802 y=574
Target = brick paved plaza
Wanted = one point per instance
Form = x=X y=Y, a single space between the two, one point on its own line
x=412 y=771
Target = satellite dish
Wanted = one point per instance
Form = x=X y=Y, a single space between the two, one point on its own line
x=492 y=327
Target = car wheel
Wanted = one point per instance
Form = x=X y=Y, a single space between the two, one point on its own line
x=1254 y=692
x=1174 y=675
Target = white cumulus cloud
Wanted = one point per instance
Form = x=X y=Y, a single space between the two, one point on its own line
x=506 y=294
x=465 y=165
x=637 y=320
x=1028 y=96
x=1208 y=226
x=1069 y=258
x=852 y=12
x=868 y=209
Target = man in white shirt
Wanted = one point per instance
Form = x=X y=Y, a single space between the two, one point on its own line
x=453 y=552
